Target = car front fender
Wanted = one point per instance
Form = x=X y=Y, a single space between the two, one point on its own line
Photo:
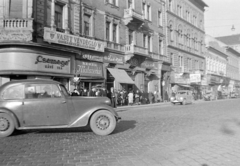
x=84 y=119
x=10 y=113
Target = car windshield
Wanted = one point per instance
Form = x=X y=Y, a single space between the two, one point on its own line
x=64 y=90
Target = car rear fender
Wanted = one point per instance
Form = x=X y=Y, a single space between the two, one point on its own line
x=84 y=119
x=10 y=113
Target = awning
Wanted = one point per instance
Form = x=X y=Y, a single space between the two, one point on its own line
x=121 y=76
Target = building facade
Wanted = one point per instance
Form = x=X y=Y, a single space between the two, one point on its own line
x=110 y=43
x=216 y=67
x=186 y=46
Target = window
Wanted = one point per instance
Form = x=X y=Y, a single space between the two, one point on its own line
x=170 y=5
x=114 y=33
x=160 y=19
x=149 y=43
x=87 y=25
x=172 y=59
x=15 y=92
x=144 y=41
x=149 y=13
x=160 y=47
x=108 y=31
x=130 y=4
x=130 y=36
x=112 y=2
x=187 y=15
x=112 y=29
x=15 y=8
x=180 y=58
x=179 y=10
x=143 y=10
x=171 y=33
x=33 y=91
x=196 y=65
x=59 y=16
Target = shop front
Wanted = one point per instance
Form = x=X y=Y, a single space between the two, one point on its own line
x=152 y=76
x=214 y=84
x=196 y=86
x=111 y=61
x=27 y=62
x=90 y=74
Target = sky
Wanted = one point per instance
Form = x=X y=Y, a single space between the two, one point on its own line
x=220 y=16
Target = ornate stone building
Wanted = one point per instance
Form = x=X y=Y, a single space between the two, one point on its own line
x=185 y=42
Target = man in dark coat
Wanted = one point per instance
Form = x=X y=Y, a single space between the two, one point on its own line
x=92 y=92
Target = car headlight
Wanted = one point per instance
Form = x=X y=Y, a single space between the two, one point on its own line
x=172 y=98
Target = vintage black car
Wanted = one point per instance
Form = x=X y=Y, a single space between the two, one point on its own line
x=44 y=104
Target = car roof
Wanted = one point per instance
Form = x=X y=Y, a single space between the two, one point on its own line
x=15 y=82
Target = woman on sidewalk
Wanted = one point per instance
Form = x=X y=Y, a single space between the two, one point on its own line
x=130 y=98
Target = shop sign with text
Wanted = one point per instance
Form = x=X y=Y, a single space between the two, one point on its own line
x=52 y=36
x=90 y=56
x=91 y=69
x=114 y=58
x=34 y=62
x=149 y=65
x=181 y=80
x=195 y=78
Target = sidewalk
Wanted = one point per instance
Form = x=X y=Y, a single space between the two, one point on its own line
x=125 y=108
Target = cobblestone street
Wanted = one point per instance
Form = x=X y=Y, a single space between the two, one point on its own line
x=202 y=134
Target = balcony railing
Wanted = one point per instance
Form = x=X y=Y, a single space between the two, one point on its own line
x=132 y=13
x=136 y=49
x=114 y=46
x=15 y=24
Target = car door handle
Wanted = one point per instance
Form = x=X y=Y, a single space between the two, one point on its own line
x=63 y=102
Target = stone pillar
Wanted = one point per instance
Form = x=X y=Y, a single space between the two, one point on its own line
x=53 y=26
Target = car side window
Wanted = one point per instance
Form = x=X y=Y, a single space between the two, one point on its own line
x=14 y=92
x=33 y=91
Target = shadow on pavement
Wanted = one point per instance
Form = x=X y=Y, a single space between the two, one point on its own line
x=125 y=125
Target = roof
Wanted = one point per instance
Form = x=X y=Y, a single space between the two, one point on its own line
x=230 y=40
x=48 y=81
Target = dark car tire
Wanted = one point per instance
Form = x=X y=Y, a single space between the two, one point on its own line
x=6 y=125
x=103 y=122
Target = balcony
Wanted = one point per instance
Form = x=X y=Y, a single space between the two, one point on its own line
x=130 y=15
x=16 y=30
x=136 y=50
x=114 y=46
x=17 y=24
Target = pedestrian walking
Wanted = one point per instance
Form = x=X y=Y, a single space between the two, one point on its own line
x=85 y=92
x=137 y=97
x=113 y=98
x=156 y=97
x=150 y=97
x=130 y=98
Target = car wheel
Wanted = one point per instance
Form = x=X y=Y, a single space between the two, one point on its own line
x=6 y=125
x=103 y=122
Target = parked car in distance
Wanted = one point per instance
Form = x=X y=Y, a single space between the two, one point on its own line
x=183 y=97
x=46 y=104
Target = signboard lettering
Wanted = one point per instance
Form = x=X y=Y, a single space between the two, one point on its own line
x=89 y=68
x=195 y=78
x=71 y=40
x=34 y=62
x=114 y=58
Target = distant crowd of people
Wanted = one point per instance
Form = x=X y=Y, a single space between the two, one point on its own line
x=121 y=97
